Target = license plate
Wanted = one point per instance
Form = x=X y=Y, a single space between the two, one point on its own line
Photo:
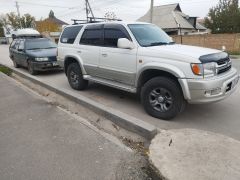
x=55 y=64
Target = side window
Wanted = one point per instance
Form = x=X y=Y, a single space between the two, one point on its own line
x=111 y=37
x=21 y=45
x=69 y=34
x=15 y=44
x=92 y=37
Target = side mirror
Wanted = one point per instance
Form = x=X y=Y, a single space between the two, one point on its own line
x=124 y=43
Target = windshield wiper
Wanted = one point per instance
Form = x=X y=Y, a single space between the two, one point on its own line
x=161 y=43
x=49 y=47
x=158 y=43
x=34 y=48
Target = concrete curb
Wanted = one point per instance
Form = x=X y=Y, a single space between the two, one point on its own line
x=123 y=120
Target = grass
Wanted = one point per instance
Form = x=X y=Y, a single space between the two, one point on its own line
x=5 y=70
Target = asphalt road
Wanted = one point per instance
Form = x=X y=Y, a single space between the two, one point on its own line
x=222 y=117
x=40 y=141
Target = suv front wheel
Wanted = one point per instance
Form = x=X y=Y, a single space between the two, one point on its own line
x=75 y=77
x=162 y=98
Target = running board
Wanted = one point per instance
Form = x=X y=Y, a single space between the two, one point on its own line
x=110 y=83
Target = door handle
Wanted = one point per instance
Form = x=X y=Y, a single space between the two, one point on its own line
x=104 y=55
x=79 y=52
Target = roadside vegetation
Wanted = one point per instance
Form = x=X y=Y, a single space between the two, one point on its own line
x=5 y=70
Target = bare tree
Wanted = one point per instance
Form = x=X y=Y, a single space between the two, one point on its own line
x=110 y=16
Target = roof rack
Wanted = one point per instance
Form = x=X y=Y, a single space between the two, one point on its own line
x=93 y=20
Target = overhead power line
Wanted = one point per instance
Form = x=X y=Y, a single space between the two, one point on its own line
x=45 y=5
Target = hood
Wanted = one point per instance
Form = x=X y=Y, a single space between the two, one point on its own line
x=184 y=52
x=42 y=52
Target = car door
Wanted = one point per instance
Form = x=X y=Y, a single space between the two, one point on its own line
x=21 y=54
x=90 y=42
x=117 y=64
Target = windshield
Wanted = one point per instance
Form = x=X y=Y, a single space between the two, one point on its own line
x=150 y=35
x=40 y=44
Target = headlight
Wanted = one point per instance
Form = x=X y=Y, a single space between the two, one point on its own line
x=210 y=69
x=206 y=70
x=41 y=59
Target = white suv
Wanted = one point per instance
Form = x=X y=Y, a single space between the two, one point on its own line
x=141 y=58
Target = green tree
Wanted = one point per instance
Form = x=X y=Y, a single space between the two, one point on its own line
x=224 y=18
x=3 y=24
x=25 y=21
x=1 y=30
x=3 y=20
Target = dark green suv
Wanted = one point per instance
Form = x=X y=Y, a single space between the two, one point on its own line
x=37 y=54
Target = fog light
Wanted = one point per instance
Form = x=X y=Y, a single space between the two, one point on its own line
x=213 y=92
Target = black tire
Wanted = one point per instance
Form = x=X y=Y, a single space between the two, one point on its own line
x=75 y=77
x=162 y=98
x=31 y=69
x=15 y=64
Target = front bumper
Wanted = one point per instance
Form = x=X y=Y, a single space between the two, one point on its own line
x=213 y=89
x=45 y=65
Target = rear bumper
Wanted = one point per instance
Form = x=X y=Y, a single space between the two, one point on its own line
x=45 y=66
x=213 y=89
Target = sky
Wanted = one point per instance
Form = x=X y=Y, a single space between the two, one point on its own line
x=128 y=10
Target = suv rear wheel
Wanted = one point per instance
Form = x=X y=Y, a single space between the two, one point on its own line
x=162 y=98
x=75 y=77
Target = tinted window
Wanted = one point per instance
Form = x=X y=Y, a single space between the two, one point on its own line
x=111 y=37
x=39 y=44
x=69 y=34
x=92 y=37
x=15 y=44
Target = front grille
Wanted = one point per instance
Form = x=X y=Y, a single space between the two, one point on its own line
x=223 y=61
x=224 y=65
x=224 y=70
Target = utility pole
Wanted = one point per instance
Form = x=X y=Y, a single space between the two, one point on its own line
x=151 y=11
x=179 y=26
x=88 y=10
x=19 y=16
x=86 y=4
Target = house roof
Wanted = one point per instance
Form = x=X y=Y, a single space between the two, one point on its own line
x=168 y=17
x=56 y=20
x=200 y=26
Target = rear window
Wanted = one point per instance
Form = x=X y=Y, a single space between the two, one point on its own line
x=69 y=34
x=92 y=37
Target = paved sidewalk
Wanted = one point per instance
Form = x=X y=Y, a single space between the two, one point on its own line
x=40 y=141
x=190 y=154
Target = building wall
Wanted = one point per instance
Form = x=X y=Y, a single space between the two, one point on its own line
x=216 y=41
